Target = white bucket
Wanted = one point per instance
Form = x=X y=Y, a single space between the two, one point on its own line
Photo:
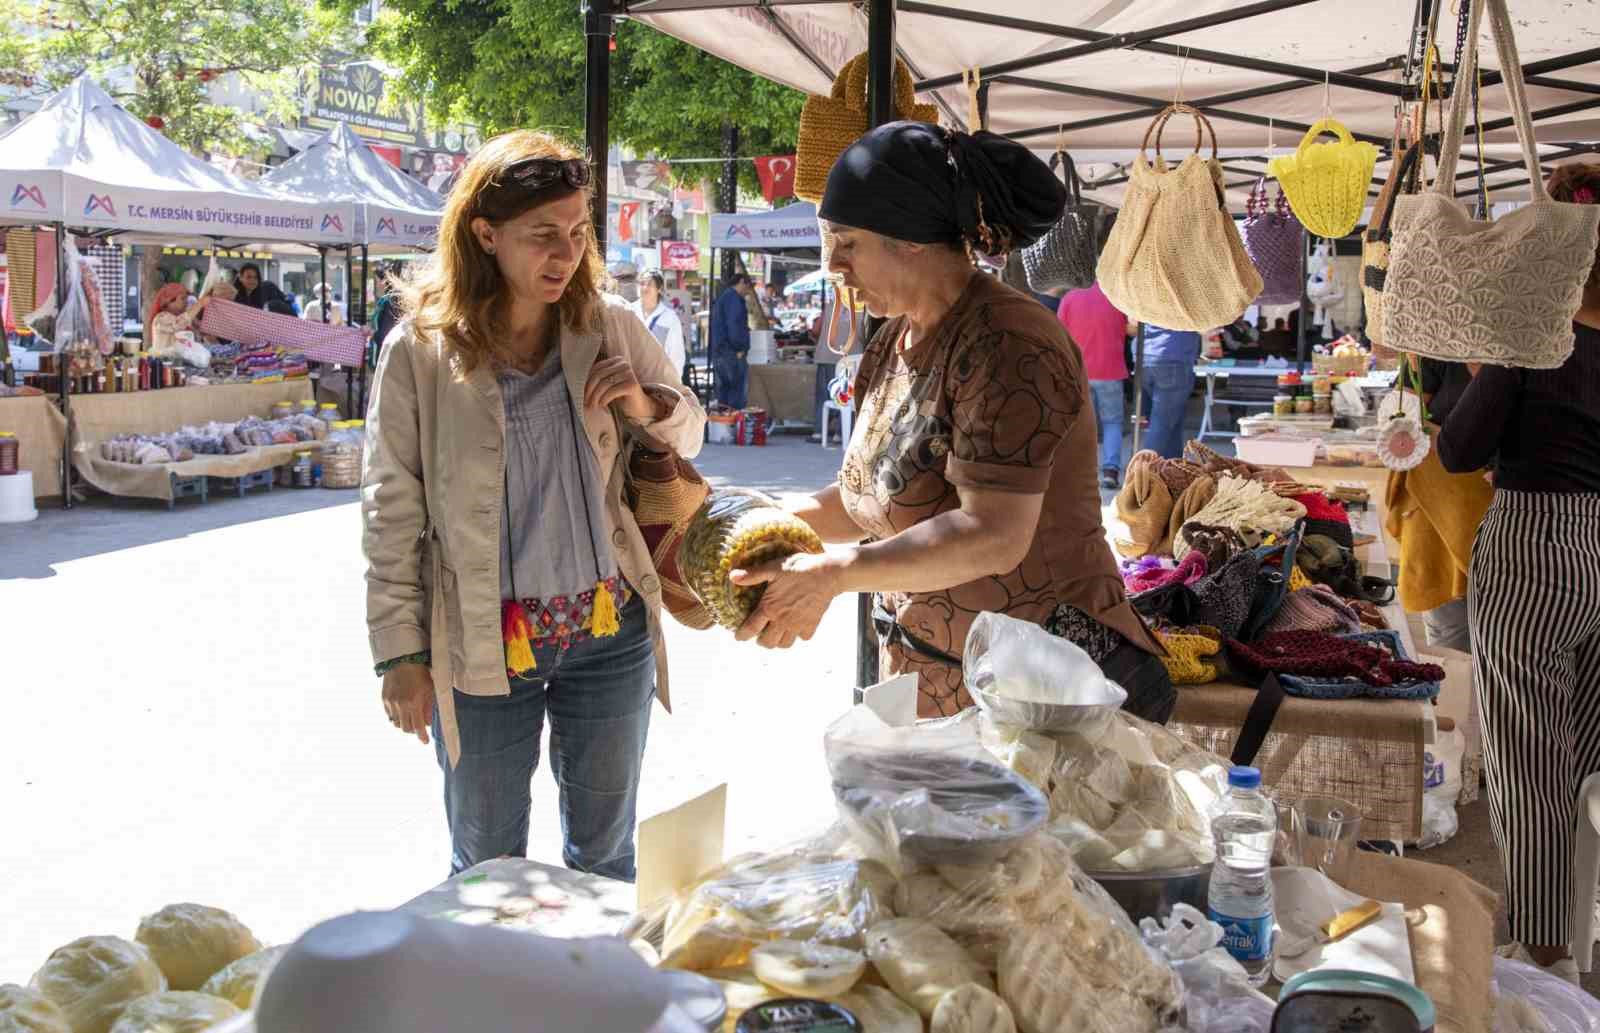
x=16 y=498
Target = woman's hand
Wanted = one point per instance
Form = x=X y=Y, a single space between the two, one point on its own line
x=799 y=591
x=408 y=699
x=612 y=379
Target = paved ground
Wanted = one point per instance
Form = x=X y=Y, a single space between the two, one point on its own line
x=193 y=717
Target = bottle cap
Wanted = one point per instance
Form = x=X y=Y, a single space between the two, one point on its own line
x=1244 y=778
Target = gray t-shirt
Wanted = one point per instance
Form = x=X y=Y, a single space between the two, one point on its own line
x=552 y=536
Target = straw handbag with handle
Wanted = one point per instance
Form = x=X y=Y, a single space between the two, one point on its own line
x=1174 y=258
x=1064 y=258
x=1275 y=241
x=828 y=125
x=1499 y=291
x=1327 y=183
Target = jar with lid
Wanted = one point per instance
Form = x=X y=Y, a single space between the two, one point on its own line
x=282 y=410
x=300 y=472
x=308 y=406
x=1322 y=404
x=8 y=453
x=1282 y=405
x=328 y=412
x=1303 y=405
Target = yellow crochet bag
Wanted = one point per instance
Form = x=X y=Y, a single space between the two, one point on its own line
x=830 y=124
x=1187 y=654
x=1326 y=183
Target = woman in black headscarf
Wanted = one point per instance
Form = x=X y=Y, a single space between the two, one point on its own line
x=972 y=473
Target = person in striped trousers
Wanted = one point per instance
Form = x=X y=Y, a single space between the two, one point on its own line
x=1534 y=605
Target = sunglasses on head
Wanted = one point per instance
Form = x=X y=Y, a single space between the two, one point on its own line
x=539 y=173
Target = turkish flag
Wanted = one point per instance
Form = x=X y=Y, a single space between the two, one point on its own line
x=625 y=214
x=388 y=154
x=777 y=176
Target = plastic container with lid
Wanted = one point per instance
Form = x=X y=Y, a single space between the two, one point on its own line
x=798 y=1015
x=1282 y=405
x=300 y=474
x=1303 y=405
x=1322 y=404
x=282 y=410
x=308 y=406
x=8 y=453
x=328 y=412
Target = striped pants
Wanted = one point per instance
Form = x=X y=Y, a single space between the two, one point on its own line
x=1534 y=600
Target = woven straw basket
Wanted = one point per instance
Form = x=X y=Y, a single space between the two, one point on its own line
x=1326 y=183
x=828 y=125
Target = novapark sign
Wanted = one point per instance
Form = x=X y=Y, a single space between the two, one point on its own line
x=354 y=93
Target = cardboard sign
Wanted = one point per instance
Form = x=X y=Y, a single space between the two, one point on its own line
x=676 y=846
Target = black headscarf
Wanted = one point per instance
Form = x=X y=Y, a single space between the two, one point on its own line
x=916 y=182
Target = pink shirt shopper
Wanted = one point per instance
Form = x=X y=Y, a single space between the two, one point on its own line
x=1100 y=329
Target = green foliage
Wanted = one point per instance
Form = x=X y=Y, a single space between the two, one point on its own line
x=506 y=64
x=159 y=58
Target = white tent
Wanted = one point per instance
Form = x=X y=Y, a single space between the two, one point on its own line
x=392 y=210
x=83 y=161
x=1092 y=75
x=781 y=229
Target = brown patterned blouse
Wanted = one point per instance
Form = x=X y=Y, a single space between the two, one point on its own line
x=996 y=399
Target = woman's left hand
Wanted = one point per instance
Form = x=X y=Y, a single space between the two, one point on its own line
x=612 y=379
x=799 y=590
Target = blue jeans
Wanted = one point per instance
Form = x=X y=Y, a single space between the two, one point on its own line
x=733 y=378
x=1108 y=406
x=1167 y=387
x=598 y=696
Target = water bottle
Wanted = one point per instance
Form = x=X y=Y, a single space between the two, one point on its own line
x=1245 y=823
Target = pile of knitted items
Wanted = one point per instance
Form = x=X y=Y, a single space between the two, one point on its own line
x=1150 y=572
x=1248 y=507
x=1318 y=654
x=1326 y=517
x=1317 y=608
x=1158 y=497
x=1193 y=654
x=1217 y=544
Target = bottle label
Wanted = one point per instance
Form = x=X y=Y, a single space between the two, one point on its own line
x=1247 y=939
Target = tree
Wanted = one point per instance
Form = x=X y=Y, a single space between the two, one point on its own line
x=506 y=64
x=159 y=58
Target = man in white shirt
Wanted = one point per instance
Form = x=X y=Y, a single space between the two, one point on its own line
x=659 y=318
x=313 y=311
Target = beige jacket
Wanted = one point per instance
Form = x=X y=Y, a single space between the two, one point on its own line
x=431 y=499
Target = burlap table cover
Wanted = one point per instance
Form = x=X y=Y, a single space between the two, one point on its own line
x=787 y=391
x=1452 y=934
x=99 y=417
x=1366 y=751
x=41 y=431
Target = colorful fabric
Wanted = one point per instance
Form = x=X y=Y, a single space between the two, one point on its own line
x=110 y=270
x=1192 y=569
x=318 y=341
x=569 y=619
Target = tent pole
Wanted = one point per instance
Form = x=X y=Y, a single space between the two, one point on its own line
x=597 y=30
x=880 y=107
x=61 y=368
x=349 y=371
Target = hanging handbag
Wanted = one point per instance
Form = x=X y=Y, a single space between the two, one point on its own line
x=1498 y=291
x=1404 y=178
x=1064 y=258
x=830 y=124
x=1175 y=259
x=1274 y=240
x=664 y=491
x=1327 y=182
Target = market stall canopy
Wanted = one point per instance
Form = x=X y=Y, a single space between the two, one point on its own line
x=393 y=211
x=808 y=283
x=782 y=229
x=1092 y=76
x=82 y=160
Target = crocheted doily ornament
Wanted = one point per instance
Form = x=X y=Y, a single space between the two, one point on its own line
x=1403 y=444
x=1400 y=403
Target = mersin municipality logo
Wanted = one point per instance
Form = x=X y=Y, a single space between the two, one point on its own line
x=99 y=202
x=334 y=221
x=28 y=195
x=386 y=226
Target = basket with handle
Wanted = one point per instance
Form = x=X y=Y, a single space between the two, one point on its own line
x=1064 y=258
x=1174 y=257
x=1274 y=239
x=830 y=124
x=1327 y=182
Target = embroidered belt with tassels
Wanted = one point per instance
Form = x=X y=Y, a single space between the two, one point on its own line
x=563 y=620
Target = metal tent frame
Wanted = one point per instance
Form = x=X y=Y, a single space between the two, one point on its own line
x=1043 y=71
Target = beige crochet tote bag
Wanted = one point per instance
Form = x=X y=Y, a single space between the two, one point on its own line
x=1501 y=291
x=1175 y=259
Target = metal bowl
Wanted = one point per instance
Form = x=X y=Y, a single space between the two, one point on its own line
x=1152 y=894
x=1046 y=717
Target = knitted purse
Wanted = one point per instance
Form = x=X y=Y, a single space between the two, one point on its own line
x=1498 y=291
x=1174 y=257
x=830 y=124
x=1318 y=608
x=1274 y=240
x=664 y=491
x=1188 y=653
x=1327 y=183
x=1322 y=666
x=1064 y=258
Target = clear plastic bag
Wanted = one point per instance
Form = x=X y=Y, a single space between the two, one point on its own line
x=1218 y=997
x=927 y=794
x=734 y=529
x=1562 y=1007
x=1023 y=676
x=78 y=324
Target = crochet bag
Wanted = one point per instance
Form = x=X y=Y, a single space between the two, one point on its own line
x=1327 y=182
x=1174 y=258
x=1410 y=681
x=664 y=491
x=830 y=124
x=1404 y=178
x=1499 y=291
x=1064 y=258
x=1274 y=240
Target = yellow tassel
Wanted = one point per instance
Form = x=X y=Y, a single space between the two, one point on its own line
x=604 y=623
x=515 y=629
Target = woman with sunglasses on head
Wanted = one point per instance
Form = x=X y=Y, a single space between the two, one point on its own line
x=508 y=583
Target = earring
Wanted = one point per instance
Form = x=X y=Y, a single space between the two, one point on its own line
x=490 y=250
